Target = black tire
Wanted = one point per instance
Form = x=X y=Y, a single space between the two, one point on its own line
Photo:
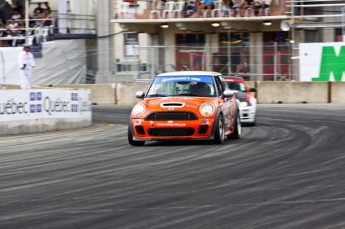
x=219 y=134
x=130 y=138
x=238 y=128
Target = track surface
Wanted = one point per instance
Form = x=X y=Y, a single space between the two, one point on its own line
x=286 y=172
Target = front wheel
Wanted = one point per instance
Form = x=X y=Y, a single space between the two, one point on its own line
x=219 y=135
x=130 y=138
x=237 y=128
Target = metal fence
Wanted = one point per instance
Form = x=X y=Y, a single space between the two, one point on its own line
x=268 y=62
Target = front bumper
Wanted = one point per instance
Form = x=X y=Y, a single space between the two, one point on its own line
x=146 y=130
x=247 y=114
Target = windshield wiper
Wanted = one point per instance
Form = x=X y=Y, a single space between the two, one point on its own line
x=157 y=95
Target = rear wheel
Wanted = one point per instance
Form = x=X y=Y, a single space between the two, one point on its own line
x=237 y=128
x=219 y=135
x=130 y=138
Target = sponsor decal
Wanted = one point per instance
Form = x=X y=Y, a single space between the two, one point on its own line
x=74 y=108
x=51 y=106
x=74 y=96
x=32 y=108
x=14 y=107
x=171 y=124
x=207 y=79
x=331 y=63
x=35 y=104
x=39 y=108
x=32 y=96
x=39 y=96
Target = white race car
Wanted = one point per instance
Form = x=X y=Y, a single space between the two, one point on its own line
x=247 y=101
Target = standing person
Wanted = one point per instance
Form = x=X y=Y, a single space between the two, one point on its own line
x=26 y=62
x=245 y=71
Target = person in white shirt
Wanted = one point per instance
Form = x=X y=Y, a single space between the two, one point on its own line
x=26 y=62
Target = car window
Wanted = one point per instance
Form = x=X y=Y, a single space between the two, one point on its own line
x=224 y=84
x=182 y=86
x=219 y=85
x=237 y=86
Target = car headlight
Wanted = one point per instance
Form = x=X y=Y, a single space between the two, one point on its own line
x=244 y=104
x=139 y=110
x=207 y=109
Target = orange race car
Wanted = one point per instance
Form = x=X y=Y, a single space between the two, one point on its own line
x=196 y=105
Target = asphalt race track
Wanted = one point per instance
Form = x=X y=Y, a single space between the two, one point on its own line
x=286 y=172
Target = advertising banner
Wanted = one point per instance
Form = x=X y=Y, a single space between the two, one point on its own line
x=45 y=103
x=320 y=62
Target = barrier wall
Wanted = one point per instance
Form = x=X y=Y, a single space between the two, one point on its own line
x=39 y=110
x=267 y=92
x=292 y=92
x=337 y=92
x=125 y=92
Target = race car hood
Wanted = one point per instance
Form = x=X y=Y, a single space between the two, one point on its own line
x=191 y=102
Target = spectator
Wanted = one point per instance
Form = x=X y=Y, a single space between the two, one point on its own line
x=237 y=71
x=26 y=62
x=245 y=71
x=47 y=17
x=12 y=24
x=237 y=6
x=21 y=41
x=38 y=9
x=16 y=15
x=47 y=7
x=208 y=5
x=247 y=6
x=227 y=6
x=19 y=8
x=257 y=7
x=190 y=8
x=7 y=11
x=8 y=35
x=2 y=21
x=37 y=15
x=265 y=4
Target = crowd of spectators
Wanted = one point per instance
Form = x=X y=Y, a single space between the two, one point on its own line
x=241 y=70
x=12 y=22
x=198 y=8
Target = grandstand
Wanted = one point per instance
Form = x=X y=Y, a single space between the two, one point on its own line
x=133 y=40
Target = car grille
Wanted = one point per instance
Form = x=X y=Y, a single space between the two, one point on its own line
x=164 y=116
x=171 y=131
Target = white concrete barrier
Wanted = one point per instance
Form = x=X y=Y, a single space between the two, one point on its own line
x=338 y=92
x=125 y=92
x=39 y=110
x=292 y=92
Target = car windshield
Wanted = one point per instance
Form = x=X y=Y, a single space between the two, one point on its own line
x=201 y=86
x=237 y=86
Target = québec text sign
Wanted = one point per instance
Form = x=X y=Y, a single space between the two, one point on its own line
x=45 y=103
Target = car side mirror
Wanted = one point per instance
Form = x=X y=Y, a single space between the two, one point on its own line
x=252 y=89
x=140 y=94
x=228 y=93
